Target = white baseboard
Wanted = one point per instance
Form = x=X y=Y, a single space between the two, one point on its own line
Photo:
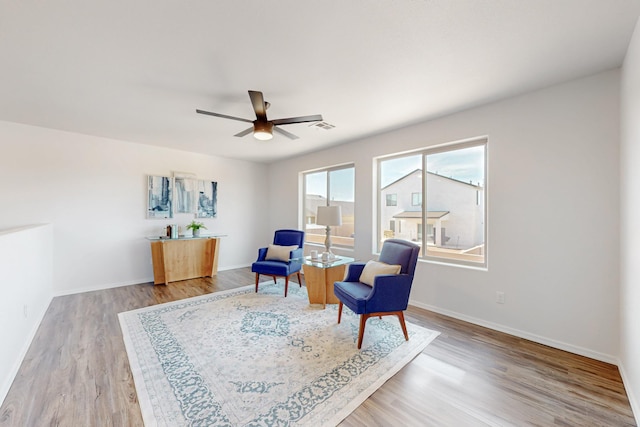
x=103 y=286
x=522 y=334
x=126 y=283
x=233 y=267
x=6 y=385
x=635 y=404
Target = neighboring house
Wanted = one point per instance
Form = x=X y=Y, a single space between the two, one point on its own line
x=455 y=211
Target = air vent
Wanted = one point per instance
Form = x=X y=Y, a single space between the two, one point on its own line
x=322 y=125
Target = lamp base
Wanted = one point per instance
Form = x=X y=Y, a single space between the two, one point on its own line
x=327 y=244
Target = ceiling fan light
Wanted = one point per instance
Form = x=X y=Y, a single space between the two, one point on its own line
x=263 y=130
x=262 y=136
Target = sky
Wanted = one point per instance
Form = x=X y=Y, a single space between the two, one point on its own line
x=466 y=164
x=342 y=184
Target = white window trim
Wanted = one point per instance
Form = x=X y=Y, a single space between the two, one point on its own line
x=451 y=146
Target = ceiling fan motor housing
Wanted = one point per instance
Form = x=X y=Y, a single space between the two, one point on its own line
x=262 y=130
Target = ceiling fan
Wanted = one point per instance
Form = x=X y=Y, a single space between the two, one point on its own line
x=262 y=127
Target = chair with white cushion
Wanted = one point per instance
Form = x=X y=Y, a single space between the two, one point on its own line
x=380 y=288
x=283 y=258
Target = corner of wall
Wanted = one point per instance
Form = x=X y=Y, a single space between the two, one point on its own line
x=629 y=364
x=26 y=260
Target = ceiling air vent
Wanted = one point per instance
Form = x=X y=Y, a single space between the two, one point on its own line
x=322 y=125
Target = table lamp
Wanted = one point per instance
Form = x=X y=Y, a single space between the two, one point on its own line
x=329 y=216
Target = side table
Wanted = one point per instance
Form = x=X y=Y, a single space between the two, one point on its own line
x=184 y=258
x=320 y=277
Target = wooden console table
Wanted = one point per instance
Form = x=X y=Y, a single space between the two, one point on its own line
x=184 y=258
x=320 y=277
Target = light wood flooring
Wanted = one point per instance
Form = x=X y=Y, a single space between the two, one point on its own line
x=76 y=372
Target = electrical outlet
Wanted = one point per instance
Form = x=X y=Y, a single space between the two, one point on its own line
x=500 y=297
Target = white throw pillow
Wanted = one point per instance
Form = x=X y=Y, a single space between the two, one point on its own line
x=279 y=253
x=375 y=268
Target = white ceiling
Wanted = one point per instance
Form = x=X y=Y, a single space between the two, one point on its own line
x=136 y=70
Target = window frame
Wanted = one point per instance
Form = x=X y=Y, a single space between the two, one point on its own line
x=424 y=152
x=327 y=170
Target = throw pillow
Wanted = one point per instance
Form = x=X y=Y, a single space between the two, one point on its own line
x=375 y=268
x=279 y=253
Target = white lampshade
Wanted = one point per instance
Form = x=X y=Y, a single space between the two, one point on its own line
x=329 y=215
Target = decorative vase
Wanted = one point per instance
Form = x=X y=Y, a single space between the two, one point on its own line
x=196 y=232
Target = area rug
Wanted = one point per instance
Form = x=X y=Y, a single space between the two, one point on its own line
x=240 y=358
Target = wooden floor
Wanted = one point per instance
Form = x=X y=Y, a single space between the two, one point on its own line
x=76 y=372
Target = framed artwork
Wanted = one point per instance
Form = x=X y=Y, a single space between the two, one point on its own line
x=207 y=199
x=159 y=202
x=186 y=194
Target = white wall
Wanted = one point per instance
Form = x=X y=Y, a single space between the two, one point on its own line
x=26 y=285
x=553 y=207
x=93 y=191
x=629 y=223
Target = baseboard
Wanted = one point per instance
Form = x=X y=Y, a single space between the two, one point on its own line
x=233 y=267
x=103 y=286
x=633 y=401
x=126 y=283
x=607 y=358
x=6 y=385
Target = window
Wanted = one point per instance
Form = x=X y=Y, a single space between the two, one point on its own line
x=392 y=200
x=450 y=225
x=329 y=187
x=430 y=236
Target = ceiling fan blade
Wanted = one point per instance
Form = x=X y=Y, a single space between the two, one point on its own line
x=245 y=132
x=285 y=133
x=258 y=105
x=301 y=119
x=224 y=116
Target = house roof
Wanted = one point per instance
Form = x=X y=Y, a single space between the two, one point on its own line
x=415 y=171
x=418 y=214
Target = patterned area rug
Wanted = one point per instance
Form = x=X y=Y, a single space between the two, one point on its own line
x=237 y=358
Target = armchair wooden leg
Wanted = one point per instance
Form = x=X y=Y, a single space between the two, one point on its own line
x=363 y=322
x=286 y=286
x=403 y=325
x=339 y=311
x=299 y=279
x=257 y=279
x=275 y=279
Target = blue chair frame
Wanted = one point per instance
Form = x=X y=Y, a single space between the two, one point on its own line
x=284 y=269
x=389 y=294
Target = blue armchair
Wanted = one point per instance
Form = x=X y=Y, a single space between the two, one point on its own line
x=276 y=261
x=389 y=293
